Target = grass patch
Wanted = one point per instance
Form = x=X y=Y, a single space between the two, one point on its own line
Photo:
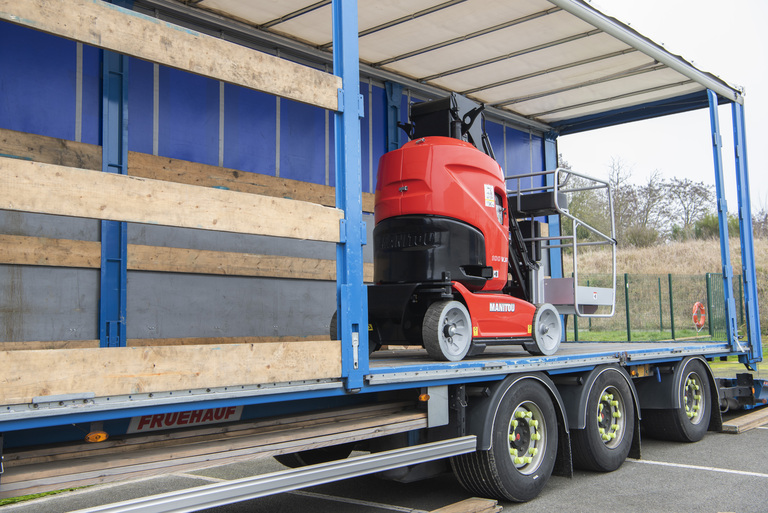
x=586 y=335
x=24 y=498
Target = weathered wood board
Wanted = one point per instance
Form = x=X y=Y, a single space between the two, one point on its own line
x=133 y=370
x=51 y=189
x=107 y=26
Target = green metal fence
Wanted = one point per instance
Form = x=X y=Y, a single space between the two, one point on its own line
x=660 y=307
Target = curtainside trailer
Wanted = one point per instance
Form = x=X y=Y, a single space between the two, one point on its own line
x=447 y=345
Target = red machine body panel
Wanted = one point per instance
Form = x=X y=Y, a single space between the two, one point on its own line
x=445 y=177
x=497 y=315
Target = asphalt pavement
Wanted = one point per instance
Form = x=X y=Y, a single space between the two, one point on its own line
x=721 y=473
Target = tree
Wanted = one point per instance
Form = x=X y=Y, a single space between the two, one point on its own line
x=690 y=202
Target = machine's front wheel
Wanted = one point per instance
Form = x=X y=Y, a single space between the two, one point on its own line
x=546 y=331
x=447 y=330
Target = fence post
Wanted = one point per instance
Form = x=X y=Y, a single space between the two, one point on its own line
x=671 y=307
x=661 y=316
x=626 y=303
x=709 y=304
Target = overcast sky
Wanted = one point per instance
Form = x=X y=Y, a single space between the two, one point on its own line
x=728 y=38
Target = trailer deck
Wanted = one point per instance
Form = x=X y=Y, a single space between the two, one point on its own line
x=413 y=366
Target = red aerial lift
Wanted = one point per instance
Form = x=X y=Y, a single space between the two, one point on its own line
x=454 y=270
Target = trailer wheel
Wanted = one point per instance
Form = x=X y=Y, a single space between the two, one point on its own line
x=315 y=456
x=546 y=330
x=688 y=423
x=605 y=441
x=373 y=342
x=447 y=330
x=523 y=448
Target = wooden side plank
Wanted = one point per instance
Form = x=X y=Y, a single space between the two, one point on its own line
x=51 y=189
x=746 y=422
x=20 y=250
x=127 y=32
x=131 y=370
x=51 y=150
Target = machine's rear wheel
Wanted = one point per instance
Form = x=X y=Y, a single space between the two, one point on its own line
x=605 y=441
x=688 y=423
x=447 y=330
x=546 y=330
x=523 y=448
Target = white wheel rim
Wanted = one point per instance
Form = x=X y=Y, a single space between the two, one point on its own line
x=547 y=334
x=454 y=330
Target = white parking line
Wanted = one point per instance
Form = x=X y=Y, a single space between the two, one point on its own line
x=357 y=502
x=697 y=467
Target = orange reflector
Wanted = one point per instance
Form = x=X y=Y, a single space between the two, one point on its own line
x=96 y=436
x=424 y=398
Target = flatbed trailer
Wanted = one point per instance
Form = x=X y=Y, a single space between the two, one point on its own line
x=506 y=419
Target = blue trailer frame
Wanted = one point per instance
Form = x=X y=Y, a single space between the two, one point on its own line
x=358 y=374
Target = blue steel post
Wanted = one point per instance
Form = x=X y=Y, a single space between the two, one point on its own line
x=731 y=329
x=114 y=239
x=553 y=222
x=745 y=234
x=550 y=162
x=351 y=294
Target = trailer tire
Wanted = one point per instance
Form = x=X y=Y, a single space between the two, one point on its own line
x=690 y=422
x=606 y=440
x=447 y=331
x=525 y=420
x=315 y=456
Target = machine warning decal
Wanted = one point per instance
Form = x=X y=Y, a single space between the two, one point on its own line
x=490 y=197
x=475 y=331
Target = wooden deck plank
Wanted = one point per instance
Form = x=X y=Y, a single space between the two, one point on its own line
x=746 y=422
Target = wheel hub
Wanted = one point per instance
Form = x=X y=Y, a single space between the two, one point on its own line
x=610 y=417
x=527 y=440
x=692 y=399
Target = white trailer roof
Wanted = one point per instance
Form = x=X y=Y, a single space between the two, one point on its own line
x=556 y=63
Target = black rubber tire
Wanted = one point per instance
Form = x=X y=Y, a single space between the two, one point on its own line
x=494 y=473
x=315 y=456
x=440 y=316
x=373 y=345
x=675 y=424
x=591 y=451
